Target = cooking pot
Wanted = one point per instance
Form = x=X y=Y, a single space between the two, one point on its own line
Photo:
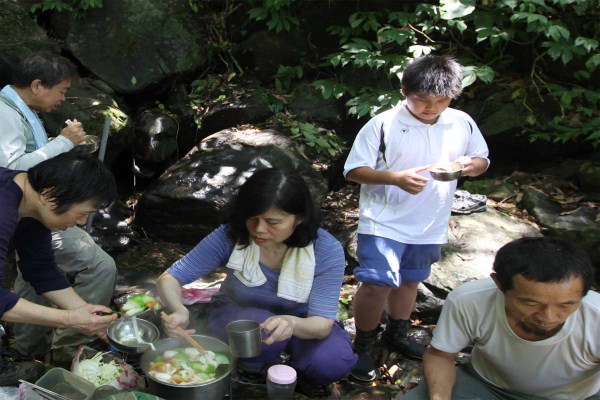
x=213 y=390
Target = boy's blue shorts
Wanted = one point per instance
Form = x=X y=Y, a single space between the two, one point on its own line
x=386 y=262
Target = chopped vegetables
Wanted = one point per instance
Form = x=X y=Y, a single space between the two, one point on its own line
x=96 y=371
x=186 y=366
x=139 y=303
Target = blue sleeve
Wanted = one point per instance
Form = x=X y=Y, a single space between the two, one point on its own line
x=329 y=274
x=211 y=253
x=33 y=243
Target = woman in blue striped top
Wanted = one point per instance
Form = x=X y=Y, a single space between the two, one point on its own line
x=283 y=272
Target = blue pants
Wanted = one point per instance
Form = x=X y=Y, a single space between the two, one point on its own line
x=319 y=361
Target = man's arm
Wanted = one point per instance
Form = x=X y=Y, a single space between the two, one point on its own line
x=440 y=373
x=82 y=318
x=13 y=142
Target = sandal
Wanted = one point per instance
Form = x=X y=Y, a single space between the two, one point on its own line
x=467 y=203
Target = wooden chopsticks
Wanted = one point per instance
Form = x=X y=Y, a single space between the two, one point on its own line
x=185 y=335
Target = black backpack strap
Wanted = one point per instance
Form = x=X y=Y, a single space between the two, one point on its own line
x=382 y=144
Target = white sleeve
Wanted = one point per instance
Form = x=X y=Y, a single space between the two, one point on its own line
x=477 y=146
x=453 y=331
x=13 y=145
x=365 y=149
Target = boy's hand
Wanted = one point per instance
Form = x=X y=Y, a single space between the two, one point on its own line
x=472 y=166
x=410 y=181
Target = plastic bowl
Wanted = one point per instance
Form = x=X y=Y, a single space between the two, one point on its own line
x=122 y=336
x=445 y=172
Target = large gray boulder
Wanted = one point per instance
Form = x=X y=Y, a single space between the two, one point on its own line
x=187 y=201
x=473 y=241
x=137 y=45
x=20 y=36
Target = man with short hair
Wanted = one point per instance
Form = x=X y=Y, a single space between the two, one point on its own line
x=40 y=85
x=534 y=327
x=55 y=195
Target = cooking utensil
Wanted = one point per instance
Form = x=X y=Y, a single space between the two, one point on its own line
x=121 y=335
x=184 y=334
x=136 y=332
x=215 y=389
x=445 y=171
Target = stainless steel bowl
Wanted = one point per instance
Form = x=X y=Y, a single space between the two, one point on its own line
x=122 y=336
x=89 y=145
x=445 y=172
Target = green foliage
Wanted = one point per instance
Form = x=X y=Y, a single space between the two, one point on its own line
x=545 y=41
x=276 y=13
x=323 y=141
x=343 y=305
x=207 y=92
x=285 y=75
x=77 y=7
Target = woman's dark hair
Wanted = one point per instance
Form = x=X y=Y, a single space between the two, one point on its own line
x=542 y=259
x=439 y=75
x=72 y=178
x=51 y=69
x=278 y=188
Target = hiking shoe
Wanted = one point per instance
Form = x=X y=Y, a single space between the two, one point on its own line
x=396 y=336
x=11 y=371
x=467 y=203
x=365 y=370
x=364 y=345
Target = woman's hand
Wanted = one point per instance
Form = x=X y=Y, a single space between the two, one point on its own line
x=178 y=319
x=278 y=328
x=283 y=327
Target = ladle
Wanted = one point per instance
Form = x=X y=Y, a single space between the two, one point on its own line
x=138 y=337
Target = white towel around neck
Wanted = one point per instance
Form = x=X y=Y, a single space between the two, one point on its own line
x=296 y=275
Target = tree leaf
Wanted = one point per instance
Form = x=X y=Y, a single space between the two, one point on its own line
x=452 y=9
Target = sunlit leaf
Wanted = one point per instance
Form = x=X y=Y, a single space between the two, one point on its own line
x=452 y=9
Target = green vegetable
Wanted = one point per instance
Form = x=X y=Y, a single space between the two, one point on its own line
x=221 y=358
x=139 y=303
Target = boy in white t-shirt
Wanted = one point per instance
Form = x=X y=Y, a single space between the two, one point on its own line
x=403 y=213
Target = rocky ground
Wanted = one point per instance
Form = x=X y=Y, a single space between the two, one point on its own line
x=147 y=257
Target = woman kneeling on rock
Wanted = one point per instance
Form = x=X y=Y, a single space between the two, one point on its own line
x=283 y=272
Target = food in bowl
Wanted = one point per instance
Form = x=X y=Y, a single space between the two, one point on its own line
x=186 y=366
x=445 y=171
x=138 y=303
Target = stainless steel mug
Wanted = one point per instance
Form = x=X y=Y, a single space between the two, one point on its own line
x=245 y=338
